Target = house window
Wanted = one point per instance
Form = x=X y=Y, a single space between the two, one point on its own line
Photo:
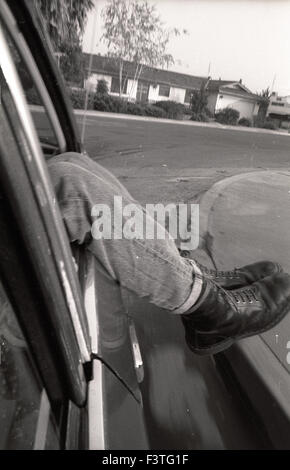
x=164 y=90
x=115 y=85
x=274 y=103
x=187 y=97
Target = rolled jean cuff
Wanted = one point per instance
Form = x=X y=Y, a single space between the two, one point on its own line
x=195 y=291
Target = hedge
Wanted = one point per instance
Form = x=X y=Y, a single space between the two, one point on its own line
x=172 y=109
x=111 y=104
x=104 y=102
x=78 y=97
x=228 y=116
x=245 y=122
x=201 y=117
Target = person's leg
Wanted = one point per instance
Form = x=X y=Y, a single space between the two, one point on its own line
x=153 y=268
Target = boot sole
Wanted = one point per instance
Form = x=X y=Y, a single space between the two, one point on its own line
x=211 y=350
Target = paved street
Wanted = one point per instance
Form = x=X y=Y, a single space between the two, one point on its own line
x=187 y=404
x=173 y=162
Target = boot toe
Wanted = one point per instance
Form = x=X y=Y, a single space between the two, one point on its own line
x=260 y=270
x=275 y=290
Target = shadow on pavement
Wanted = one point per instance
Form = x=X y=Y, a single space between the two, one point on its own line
x=186 y=403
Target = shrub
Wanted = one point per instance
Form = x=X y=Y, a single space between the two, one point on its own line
x=187 y=111
x=265 y=123
x=135 y=108
x=258 y=121
x=78 y=98
x=108 y=103
x=102 y=87
x=142 y=109
x=270 y=124
x=245 y=122
x=209 y=113
x=114 y=104
x=155 y=111
x=173 y=109
x=228 y=116
x=102 y=101
x=201 y=117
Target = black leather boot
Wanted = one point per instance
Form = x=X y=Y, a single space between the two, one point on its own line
x=220 y=316
x=238 y=277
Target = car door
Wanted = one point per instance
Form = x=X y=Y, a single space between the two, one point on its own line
x=89 y=396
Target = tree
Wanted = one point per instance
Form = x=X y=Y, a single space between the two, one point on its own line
x=134 y=32
x=198 y=101
x=65 y=21
x=102 y=87
x=264 y=103
x=72 y=61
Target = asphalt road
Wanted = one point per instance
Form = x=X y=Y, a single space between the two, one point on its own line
x=173 y=162
x=187 y=402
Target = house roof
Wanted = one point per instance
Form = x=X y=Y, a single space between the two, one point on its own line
x=109 y=65
x=241 y=92
x=214 y=85
x=223 y=86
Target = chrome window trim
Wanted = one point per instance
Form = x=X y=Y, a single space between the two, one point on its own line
x=42 y=422
x=47 y=197
x=27 y=57
x=91 y=301
x=96 y=408
x=96 y=428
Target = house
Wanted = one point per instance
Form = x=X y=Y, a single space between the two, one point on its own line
x=233 y=94
x=153 y=84
x=279 y=109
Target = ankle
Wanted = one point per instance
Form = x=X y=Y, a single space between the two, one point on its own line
x=206 y=286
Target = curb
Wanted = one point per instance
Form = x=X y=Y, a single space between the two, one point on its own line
x=207 y=200
x=180 y=122
x=208 y=125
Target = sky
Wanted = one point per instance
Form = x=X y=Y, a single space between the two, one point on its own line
x=231 y=39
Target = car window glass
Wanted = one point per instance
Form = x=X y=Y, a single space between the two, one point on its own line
x=39 y=114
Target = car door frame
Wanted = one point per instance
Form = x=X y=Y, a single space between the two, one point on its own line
x=36 y=177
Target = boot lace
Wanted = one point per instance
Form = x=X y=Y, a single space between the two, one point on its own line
x=220 y=274
x=248 y=295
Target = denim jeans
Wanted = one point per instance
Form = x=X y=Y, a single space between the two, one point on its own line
x=150 y=268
